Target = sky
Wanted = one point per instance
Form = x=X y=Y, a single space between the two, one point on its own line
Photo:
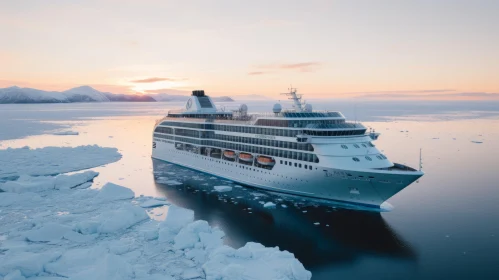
x=445 y=49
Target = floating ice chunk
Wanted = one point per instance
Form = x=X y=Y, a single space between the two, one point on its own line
x=48 y=232
x=189 y=235
x=111 y=192
x=269 y=205
x=284 y=206
x=257 y=194
x=317 y=223
x=14 y=275
x=223 y=188
x=27 y=183
x=28 y=263
x=66 y=133
x=152 y=203
x=83 y=186
x=53 y=160
x=122 y=246
x=22 y=199
x=74 y=180
x=175 y=220
x=477 y=142
x=191 y=273
x=79 y=238
x=253 y=262
x=120 y=219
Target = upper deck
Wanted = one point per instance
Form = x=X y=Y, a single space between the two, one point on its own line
x=301 y=117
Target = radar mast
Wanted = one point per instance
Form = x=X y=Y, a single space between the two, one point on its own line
x=298 y=104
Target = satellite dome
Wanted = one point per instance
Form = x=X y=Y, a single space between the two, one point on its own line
x=277 y=108
x=308 y=107
x=243 y=108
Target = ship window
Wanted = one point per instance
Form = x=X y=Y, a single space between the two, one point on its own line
x=306 y=166
x=370 y=144
x=310 y=167
x=296 y=164
x=344 y=147
x=299 y=165
x=368 y=158
x=364 y=145
x=356 y=159
x=281 y=161
x=356 y=146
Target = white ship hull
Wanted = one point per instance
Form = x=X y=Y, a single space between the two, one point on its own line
x=366 y=187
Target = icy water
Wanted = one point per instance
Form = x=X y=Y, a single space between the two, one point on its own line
x=445 y=226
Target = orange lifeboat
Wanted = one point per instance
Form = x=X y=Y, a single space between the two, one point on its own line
x=229 y=154
x=263 y=160
x=245 y=157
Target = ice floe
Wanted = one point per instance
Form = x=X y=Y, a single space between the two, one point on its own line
x=53 y=160
x=153 y=203
x=66 y=232
x=269 y=205
x=223 y=188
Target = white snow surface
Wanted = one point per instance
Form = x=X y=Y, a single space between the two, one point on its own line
x=70 y=233
x=53 y=160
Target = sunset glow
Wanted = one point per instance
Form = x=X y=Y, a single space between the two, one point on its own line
x=327 y=49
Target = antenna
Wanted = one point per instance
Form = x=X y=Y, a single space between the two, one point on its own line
x=420 y=159
x=299 y=105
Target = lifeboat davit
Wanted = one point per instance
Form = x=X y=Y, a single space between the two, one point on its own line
x=245 y=157
x=263 y=160
x=230 y=154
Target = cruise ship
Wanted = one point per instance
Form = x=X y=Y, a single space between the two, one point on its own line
x=298 y=151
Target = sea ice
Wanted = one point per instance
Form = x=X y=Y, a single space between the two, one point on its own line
x=269 y=205
x=253 y=261
x=153 y=203
x=55 y=233
x=53 y=160
x=223 y=188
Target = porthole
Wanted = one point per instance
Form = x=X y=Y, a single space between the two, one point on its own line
x=368 y=158
x=356 y=146
x=356 y=159
x=344 y=147
x=364 y=145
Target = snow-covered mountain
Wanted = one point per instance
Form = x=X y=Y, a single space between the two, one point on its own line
x=85 y=94
x=78 y=94
x=129 y=97
x=30 y=95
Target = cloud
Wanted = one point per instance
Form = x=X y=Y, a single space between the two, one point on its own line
x=301 y=67
x=258 y=73
x=156 y=79
x=403 y=91
x=436 y=95
x=168 y=91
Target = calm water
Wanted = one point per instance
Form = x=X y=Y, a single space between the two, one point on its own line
x=444 y=226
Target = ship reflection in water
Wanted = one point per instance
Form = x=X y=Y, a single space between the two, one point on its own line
x=324 y=238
